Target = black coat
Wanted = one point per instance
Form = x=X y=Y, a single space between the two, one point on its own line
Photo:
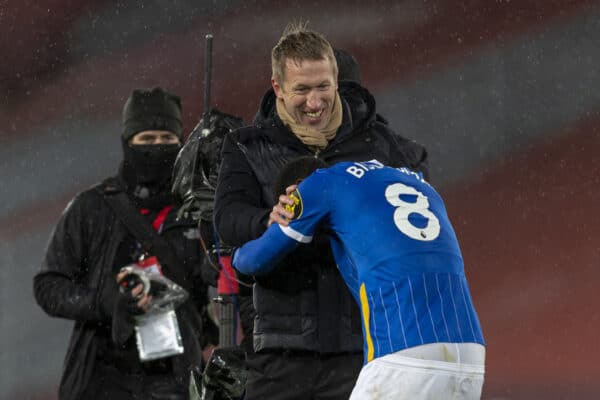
x=303 y=304
x=77 y=282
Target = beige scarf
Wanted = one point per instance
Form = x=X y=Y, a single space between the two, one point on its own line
x=314 y=139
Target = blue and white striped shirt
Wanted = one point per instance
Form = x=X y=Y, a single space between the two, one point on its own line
x=394 y=246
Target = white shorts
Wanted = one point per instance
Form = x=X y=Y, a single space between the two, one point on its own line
x=396 y=376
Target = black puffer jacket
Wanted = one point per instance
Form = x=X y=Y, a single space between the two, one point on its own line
x=303 y=304
x=77 y=282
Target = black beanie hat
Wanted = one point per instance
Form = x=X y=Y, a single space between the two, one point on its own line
x=348 y=69
x=154 y=109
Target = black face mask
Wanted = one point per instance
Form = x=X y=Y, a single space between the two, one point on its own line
x=147 y=169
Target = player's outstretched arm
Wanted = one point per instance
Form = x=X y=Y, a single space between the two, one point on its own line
x=261 y=255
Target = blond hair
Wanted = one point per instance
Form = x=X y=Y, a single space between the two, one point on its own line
x=299 y=43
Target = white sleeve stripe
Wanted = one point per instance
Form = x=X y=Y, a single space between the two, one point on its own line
x=297 y=236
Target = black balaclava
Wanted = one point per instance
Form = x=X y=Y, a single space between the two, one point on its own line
x=147 y=169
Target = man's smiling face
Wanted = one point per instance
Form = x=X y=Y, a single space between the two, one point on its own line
x=308 y=91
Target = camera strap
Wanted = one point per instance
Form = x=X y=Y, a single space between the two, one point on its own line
x=143 y=231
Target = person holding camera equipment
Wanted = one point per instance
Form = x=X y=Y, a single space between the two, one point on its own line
x=127 y=270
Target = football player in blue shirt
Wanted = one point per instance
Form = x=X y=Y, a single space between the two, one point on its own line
x=398 y=253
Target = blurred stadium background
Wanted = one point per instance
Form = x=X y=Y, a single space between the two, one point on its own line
x=504 y=94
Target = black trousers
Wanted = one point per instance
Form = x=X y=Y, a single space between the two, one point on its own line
x=302 y=375
x=108 y=382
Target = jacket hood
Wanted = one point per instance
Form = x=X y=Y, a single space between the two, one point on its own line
x=359 y=107
x=266 y=111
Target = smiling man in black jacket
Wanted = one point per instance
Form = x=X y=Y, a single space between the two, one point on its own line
x=307 y=331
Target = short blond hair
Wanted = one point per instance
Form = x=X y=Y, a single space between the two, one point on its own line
x=299 y=43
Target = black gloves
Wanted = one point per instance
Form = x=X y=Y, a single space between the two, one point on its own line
x=123 y=323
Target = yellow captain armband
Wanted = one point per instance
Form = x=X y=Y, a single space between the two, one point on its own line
x=295 y=208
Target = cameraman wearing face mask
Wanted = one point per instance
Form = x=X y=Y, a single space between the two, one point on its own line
x=128 y=220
